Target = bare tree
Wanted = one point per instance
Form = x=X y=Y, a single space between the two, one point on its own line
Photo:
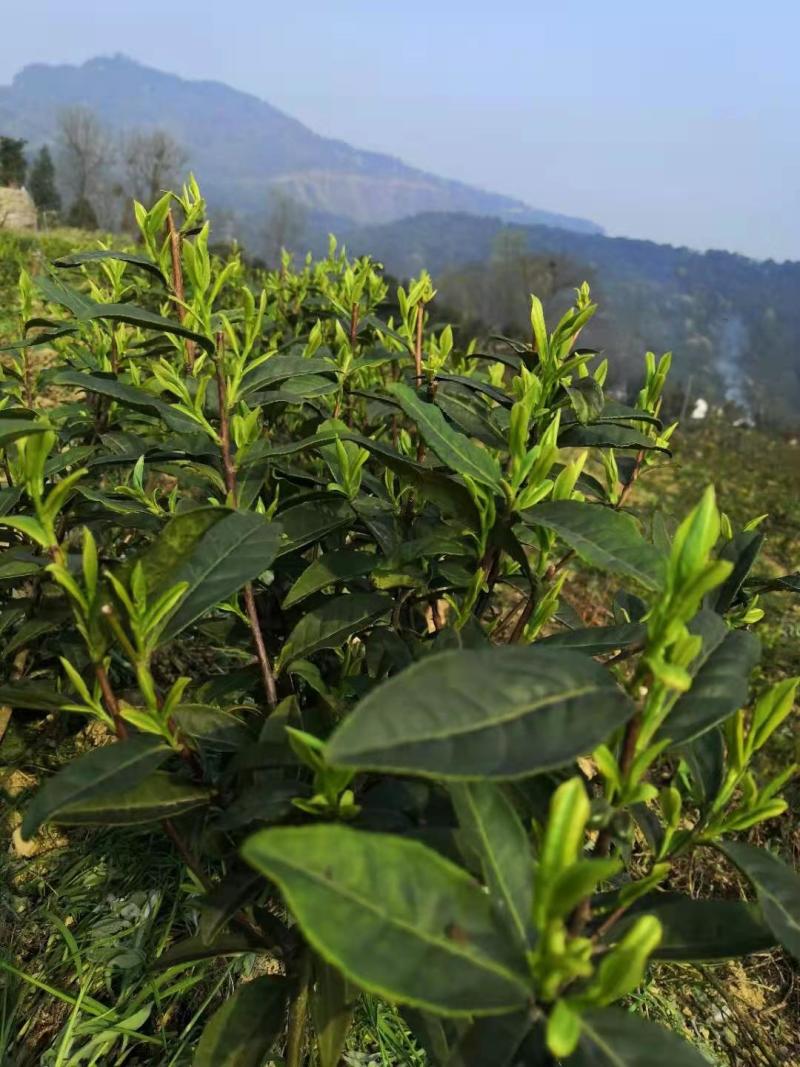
x=153 y=162
x=284 y=226
x=86 y=154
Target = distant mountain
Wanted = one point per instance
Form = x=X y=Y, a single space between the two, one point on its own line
x=733 y=323
x=240 y=145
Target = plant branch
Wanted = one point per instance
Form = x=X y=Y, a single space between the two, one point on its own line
x=229 y=474
x=110 y=700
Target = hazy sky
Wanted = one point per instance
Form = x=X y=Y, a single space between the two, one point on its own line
x=675 y=120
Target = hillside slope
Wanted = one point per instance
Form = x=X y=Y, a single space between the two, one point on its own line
x=239 y=144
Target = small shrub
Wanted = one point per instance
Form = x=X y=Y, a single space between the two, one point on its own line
x=306 y=565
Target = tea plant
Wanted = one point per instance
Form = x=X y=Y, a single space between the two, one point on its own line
x=305 y=564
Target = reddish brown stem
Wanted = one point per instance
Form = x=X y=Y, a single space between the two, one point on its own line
x=110 y=700
x=229 y=474
x=267 y=677
x=177 y=282
x=623 y=496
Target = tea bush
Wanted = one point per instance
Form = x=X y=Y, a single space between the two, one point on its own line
x=304 y=567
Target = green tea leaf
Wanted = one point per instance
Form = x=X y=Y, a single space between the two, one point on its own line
x=211 y=726
x=719 y=688
x=79 y=259
x=332 y=623
x=331 y=567
x=305 y=524
x=130 y=396
x=598 y=640
x=333 y=1002
x=452 y=448
x=608 y=435
x=101 y=773
x=495 y=834
x=394 y=916
x=281 y=368
x=619 y=1038
x=495 y=713
x=216 y=556
x=777 y=887
x=701 y=929
x=244 y=1030
x=604 y=538
x=161 y=796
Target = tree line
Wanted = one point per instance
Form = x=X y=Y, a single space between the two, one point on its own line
x=89 y=177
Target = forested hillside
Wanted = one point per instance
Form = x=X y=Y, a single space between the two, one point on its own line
x=733 y=323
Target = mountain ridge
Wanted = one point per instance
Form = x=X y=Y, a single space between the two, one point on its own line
x=241 y=145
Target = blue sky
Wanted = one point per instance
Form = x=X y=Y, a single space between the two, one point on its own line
x=676 y=121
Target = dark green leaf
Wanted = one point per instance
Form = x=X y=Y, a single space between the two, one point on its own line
x=494 y=713
x=244 y=1030
x=469 y=419
x=454 y=449
x=195 y=948
x=211 y=726
x=493 y=831
x=33 y=696
x=742 y=551
x=787 y=583
x=598 y=640
x=11 y=429
x=161 y=796
x=615 y=1038
x=606 y=436
x=178 y=540
x=218 y=557
x=394 y=916
x=99 y=773
x=332 y=1005
x=476 y=385
x=705 y=758
x=604 y=538
x=227 y=898
x=305 y=524
x=330 y=625
x=777 y=887
x=586 y=397
x=719 y=688
x=447 y=493
x=495 y=1040
x=145 y=320
x=55 y=292
x=281 y=368
x=330 y=568
x=78 y=259
x=701 y=929
x=129 y=396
